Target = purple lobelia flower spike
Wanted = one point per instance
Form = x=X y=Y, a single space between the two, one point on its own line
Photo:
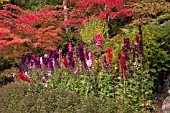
x=50 y=64
x=57 y=64
x=33 y=59
x=20 y=69
x=45 y=60
x=105 y=64
x=126 y=48
x=23 y=59
x=52 y=54
x=29 y=57
x=71 y=60
x=81 y=53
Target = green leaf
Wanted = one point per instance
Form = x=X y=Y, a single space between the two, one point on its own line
x=165 y=69
x=167 y=65
x=153 y=70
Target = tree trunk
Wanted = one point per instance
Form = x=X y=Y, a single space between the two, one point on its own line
x=66 y=13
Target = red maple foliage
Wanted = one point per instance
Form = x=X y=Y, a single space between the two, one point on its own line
x=22 y=31
x=103 y=9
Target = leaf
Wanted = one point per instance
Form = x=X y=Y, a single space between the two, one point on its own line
x=153 y=70
x=167 y=65
x=165 y=69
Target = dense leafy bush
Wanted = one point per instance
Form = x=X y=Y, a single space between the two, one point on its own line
x=34 y=5
x=18 y=97
x=91 y=28
x=155 y=51
x=8 y=75
x=88 y=75
x=145 y=10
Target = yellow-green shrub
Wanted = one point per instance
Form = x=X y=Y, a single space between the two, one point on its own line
x=91 y=28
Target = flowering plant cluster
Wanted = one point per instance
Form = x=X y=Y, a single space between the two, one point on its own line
x=82 y=72
x=81 y=61
x=135 y=82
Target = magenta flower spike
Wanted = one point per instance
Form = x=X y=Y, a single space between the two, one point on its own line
x=98 y=39
x=70 y=46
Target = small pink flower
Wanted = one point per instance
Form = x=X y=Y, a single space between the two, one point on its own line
x=89 y=63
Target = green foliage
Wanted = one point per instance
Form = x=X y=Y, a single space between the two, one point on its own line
x=8 y=63
x=34 y=5
x=91 y=28
x=162 y=26
x=155 y=52
x=3 y=80
x=1 y=1
x=5 y=76
x=18 y=97
x=98 y=85
x=145 y=10
x=68 y=37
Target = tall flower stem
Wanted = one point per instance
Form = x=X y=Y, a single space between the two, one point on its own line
x=141 y=46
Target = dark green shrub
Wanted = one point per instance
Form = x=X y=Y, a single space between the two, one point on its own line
x=8 y=75
x=8 y=63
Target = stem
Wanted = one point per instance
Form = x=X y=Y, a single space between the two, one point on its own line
x=124 y=87
x=143 y=86
x=66 y=13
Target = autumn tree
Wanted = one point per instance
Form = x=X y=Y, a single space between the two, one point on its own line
x=23 y=31
x=82 y=10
